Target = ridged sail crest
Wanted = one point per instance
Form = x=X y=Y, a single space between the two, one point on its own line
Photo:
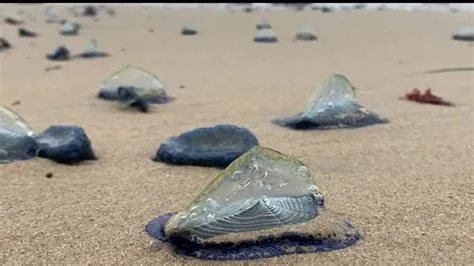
x=262 y=189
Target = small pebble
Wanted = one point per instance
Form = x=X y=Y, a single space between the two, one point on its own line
x=16 y=103
x=49 y=175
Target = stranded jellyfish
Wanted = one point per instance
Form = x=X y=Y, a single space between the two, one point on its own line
x=265 y=35
x=61 y=53
x=23 y=32
x=69 y=28
x=64 y=144
x=464 y=34
x=93 y=51
x=306 y=33
x=427 y=97
x=334 y=105
x=188 y=30
x=4 y=44
x=211 y=146
x=264 y=204
x=263 y=25
x=132 y=86
x=16 y=142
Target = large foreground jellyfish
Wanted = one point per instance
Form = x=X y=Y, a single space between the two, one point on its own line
x=63 y=144
x=132 y=86
x=214 y=146
x=334 y=105
x=264 y=204
x=16 y=142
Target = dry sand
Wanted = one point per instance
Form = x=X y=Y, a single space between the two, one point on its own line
x=407 y=185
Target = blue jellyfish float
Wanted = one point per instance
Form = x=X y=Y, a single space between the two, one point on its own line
x=93 y=51
x=214 y=146
x=264 y=204
x=135 y=87
x=62 y=144
x=16 y=142
x=265 y=35
x=334 y=105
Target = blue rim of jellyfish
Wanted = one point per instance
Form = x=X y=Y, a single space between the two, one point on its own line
x=113 y=96
x=264 y=247
x=78 y=149
x=173 y=151
x=330 y=121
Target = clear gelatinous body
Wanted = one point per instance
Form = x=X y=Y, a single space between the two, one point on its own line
x=333 y=105
x=15 y=137
x=265 y=35
x=264 y=204
x=144 y=84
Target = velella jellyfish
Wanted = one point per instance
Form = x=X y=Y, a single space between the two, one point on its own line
x=145 y=85
x=265 y=35
x=306 y=34
x=64 y=144
x=61 y=53
x=16 y=142
x=93 y=51
x=427 y=97
x=464 y=34
x=263 y=25
x=188 y=30
x=23 y=32
x=214 y=146
x=333 y=105
x=264 y=204
x=4 y=44
x=69 y=28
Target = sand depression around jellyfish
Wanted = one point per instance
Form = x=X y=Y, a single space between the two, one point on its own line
x=333 y=105
x=264 y=204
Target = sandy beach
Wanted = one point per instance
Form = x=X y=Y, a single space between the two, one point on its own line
x=407 y=185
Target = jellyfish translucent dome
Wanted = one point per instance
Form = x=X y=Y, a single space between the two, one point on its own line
x=145 y=83
x=15 y=141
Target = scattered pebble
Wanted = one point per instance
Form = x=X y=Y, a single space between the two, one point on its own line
x=55 y=67
x=16 y=103
x=49 y=175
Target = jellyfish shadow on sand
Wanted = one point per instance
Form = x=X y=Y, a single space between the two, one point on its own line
x=334 y=105
x=62 y=144
x=264 y=204
x=134 y=87
x=214 y=146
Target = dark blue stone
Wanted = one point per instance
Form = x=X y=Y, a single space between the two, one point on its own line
x=213 y=146
x=64 y=144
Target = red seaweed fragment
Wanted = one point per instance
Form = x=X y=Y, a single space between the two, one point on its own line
x=427 y=97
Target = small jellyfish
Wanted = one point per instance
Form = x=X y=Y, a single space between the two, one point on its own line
x=130 y=96
x=93 y=51
x=464 y=34
x=255 y=222
x=265 y=36
x=22 y=32
x=263 y=25
x=64 y=144
x=305 y=34
x=188 y=30
x=135 y=81
x=90 y=11
x=214 y=146
x=69 y=28
x=332 y=106
x=61 y=53
x=4 y=44
x=16 y=142
x=13 y=20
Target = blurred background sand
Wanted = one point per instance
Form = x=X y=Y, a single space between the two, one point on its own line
x=407 y=185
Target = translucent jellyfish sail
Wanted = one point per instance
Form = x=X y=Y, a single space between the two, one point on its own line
x=9 y=120
x=265 y=35
x=15 y=137
x=144 y=84
x=263 y=204
x=333 y=105
x=336 y=91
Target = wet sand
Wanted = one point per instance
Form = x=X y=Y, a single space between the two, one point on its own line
x=407 y=185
